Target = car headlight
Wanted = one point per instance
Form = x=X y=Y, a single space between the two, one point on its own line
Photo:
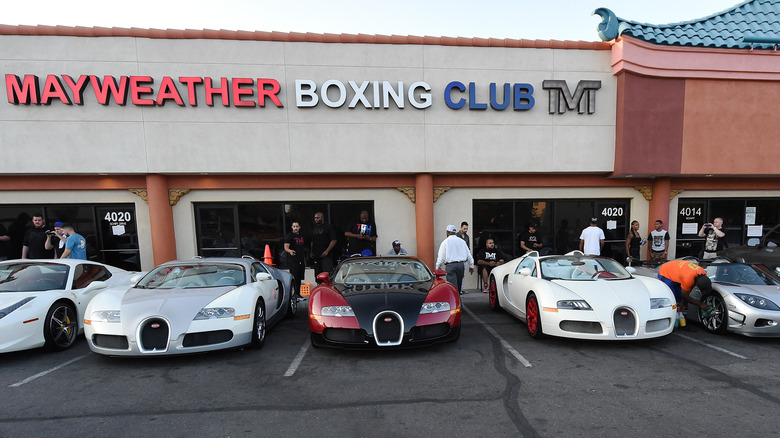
x=758 y=302
x=337 y=311
x=660 y=303
x=106 y=316
x=14 y=306
x=574 y=305
x=215 y=312
x=435 y=307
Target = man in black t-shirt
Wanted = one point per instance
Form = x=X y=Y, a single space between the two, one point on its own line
x=714 y=238
x=4 y=238
x=323 y=239
x=295 y=247
x=34 y=243
x=530 y=240
x=487 y=259
x=361 y=235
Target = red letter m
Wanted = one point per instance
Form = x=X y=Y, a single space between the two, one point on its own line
x=22 y=92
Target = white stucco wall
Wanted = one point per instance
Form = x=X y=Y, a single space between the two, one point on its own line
x=182 y=139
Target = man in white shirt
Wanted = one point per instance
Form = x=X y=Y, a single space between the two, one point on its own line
x=592 y=238
x=453 y=254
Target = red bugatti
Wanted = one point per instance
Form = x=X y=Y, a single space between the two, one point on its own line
x=383 y=302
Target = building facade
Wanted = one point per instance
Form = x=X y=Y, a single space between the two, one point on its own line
x=172 y=144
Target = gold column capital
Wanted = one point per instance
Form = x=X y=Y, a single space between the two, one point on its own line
x=646 y=191
x=438 y=191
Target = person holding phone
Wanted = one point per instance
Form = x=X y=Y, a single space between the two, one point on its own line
x=714 y=238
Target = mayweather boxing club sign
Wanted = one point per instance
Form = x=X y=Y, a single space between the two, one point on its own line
x=264 y=92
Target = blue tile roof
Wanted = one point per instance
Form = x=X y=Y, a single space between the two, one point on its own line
x=753 y=23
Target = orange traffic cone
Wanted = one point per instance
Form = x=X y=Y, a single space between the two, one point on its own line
x=267 y=259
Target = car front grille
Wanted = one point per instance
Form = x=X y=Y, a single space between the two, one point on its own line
x=388 y=329
x=206 y=338
x=423 y=332
x=344 y=336
x=115 y=342
x=589 y=327
x=625 y=322
x=154 y=335
x=657 y=325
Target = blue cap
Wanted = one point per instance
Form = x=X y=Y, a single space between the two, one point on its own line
x=58 y=224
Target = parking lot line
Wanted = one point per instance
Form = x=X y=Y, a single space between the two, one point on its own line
x=722 y=350
x=43 y=373
x=298 y=359
x=504 y=343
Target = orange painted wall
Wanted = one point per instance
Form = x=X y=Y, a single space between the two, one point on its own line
x=731 y=127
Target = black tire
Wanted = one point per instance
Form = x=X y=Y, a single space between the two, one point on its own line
x=533 y=318
x=495 y=305
x=60 y=327
x=717 y=320
x=292 y=303
x=259 y=327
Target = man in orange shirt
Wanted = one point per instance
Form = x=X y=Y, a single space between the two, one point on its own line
x=681 y=276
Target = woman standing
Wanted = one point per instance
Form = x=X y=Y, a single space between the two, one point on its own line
x=633 y=241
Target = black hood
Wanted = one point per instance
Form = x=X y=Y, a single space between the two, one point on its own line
x=367 y=300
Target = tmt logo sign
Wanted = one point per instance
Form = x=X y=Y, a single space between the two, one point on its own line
x=561 y=99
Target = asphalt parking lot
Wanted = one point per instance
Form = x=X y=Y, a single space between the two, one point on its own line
x=495 y=381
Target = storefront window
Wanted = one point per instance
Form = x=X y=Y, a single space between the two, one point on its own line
x=737 y=215
x=109 y=229
x=559 y=223
x=266 y=223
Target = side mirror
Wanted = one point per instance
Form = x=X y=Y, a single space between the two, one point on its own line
x=753 y=241
x=95 y=285
x=631 y=270
x=136 y=278
x=440 y=273
x=525 y=271
x=262 y=276
x=323 y=276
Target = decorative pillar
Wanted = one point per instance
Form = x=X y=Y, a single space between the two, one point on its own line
x=160 y=219
x=423 y=209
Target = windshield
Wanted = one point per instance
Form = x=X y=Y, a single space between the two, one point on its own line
x=382 y=271
x=739 y=274
x=194 y=275
x=33 y=277
x=582 y=268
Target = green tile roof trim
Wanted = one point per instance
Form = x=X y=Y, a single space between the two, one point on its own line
x=751 y=24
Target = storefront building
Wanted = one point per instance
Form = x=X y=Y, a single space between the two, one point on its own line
x=172 y=144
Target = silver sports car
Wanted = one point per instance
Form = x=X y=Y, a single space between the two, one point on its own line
x=190 y=306
x=745 y=299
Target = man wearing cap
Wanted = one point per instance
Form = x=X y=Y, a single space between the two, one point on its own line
x=453 y=254
x=396 y=250
x=681 y=276
x=58 y=247
x=592 y=238
x=530 y=241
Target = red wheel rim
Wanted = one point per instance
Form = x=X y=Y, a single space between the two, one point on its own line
x=532 y=315
x=492 y=293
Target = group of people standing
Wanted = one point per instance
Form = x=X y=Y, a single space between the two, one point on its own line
x=41 y=243
x=712 y=232
x=360 y=237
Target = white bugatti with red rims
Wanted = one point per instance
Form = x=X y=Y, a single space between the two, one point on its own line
x=582 y=296
x=191 y=306
x=42 y=302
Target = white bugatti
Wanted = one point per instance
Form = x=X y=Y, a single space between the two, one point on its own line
x=42 y=302
x=191 y=306
x=581 y=296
